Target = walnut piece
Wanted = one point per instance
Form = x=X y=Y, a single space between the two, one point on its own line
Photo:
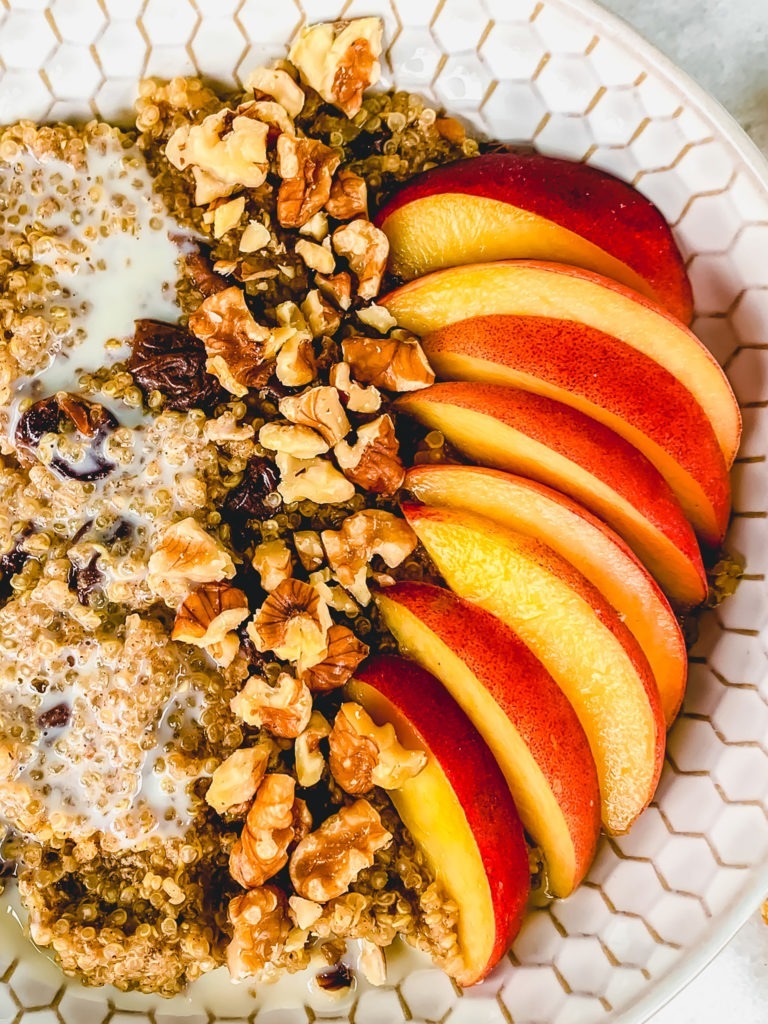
x=337 y=288
x=349 y=196
x=327 y=861
x=309 y=548
x=300 y=442
x=238 y=777
x=316 y=227
x=284 y=708
x=271 y=113
x=373 y=963
x=364 y=754
x=363 y=535
x=273 y=561
x=377 y=317
x=316 y=257
x=319 y=408
x=306 y=167
x=226 y=428
x=295 y=364
x=309 y=758
x=240 y=351
x=226 y=216
x=262 y=849
x=359 y=399
x=345 y=652
x=321 y=316
x=279 y=85
x=396 y=363
x=261 y=926
x=366 y=249
x=208 y=617
x=373 y=462
x=225 y=152
x=315 y=480
x=255 y=236
x=303 y=912
x=184 y=556
x=339 y=60
x=293 y=622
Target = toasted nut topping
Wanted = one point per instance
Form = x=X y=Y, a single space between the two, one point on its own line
x=306 y=167
x=186 y=555
x=208 y=615
x=273 y=114
x=273 y=561
x=315 y=256
x=315 y=480
x=373 y=963
x=344 y=654
x=284 y=708
x=225 y=152
x=296 y=361
x=303 y=912
x=359 y=399
x=300 y=442
x=366 y=249
x=233 y=341
x=321 y=316
x=255 y=237
x=279 y=85
x=340 y=60
x=316 y=227
x=327 y=861
x=396 y=363
x=377 y=317
x=262 y=849
x=238 y=777
x=293 y=622
x=261 y=927
x=337 y=288
x=309 y=758
x=319 y=408
x=351 y=763
x=227 y=215
x=349 y=196
x=309 y=549
x=363 y=535
x=335 y=596
x=373 y=461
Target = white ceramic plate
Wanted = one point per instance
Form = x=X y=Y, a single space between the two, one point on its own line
x=578 y=83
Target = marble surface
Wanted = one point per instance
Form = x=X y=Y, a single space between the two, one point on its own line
x=722 y=45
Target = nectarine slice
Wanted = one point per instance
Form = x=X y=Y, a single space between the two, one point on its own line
x=575 y=634
x=580 y=538
x=608 y=380
x=530 y=288
x=458 y=809
x=520 y=712
x=534 y=436
x=526 y=205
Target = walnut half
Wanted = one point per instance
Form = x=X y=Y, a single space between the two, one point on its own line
x=238 y=349
x=208 y=617
x=261 y=925
x=293 y=622
x=396 y=363
x=262 y=849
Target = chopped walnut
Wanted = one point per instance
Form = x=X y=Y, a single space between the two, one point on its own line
x=373 y=963
x=291 y=439
x=364 y=754
x=279 y=85
x=262 y=849
x=337 y=288
x=271 y=113
x=363 y=535
x=208 y=616
x=226 y=216
x=306 y=167
x=273 y=561
x=334 y=595
x=396 y=363
x=377 y=317
x=255 y=236
x=309 y=548
x=344 y=654
x=359 y=399
x=328 y=860
x=185 y=555
x=315 y=480
x=303 y=912
x=316 y=227
x=315 y=256
x=321 y=317
x=349 y=196
x=225 y=428
x=339 y=60
x=284 y=708
x=309 y=758
x=319 y=408
x=293 y=622
x=233 y=341
x=373 y=462
x=237 y=778
x=225 y=152
x=366 y=249
x=261 y=927
x=295 y=364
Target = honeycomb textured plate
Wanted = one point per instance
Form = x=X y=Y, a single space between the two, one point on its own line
x=561 y=73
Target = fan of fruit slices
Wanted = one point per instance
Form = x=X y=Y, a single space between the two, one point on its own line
x=553 y=304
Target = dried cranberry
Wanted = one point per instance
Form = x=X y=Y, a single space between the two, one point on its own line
x=55 y=717
x=84 y=579
x=335 y=978
x=168 y=359
x=90 y=420
x=260 y=479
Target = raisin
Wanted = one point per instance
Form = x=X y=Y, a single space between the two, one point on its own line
x=11 y=563
x=55 y=717
x=84 y=579
x=199 y=270
x=168 y=359
x=335 y=978
x=369 y=143
x=260 y=480
x=89 y=419
x=8 y=868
